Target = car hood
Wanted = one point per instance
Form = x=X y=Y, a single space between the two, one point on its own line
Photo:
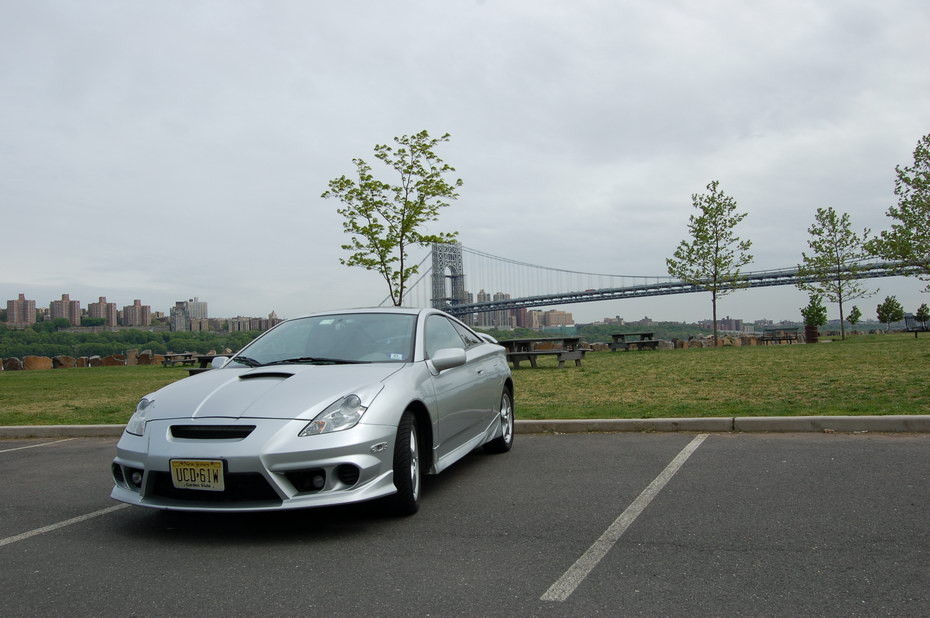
x=278 y=391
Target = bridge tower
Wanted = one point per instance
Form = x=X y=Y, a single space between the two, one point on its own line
x=448 y=275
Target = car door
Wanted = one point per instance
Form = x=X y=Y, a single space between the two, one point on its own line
x=461 y=392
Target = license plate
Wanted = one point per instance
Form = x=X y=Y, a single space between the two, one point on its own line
x=203 y=474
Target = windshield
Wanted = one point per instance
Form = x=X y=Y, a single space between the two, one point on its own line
x=334 y=339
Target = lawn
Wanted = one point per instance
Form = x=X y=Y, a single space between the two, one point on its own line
x=869 y=374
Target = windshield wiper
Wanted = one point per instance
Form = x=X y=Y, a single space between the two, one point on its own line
x=315 y=360
x=245 y=360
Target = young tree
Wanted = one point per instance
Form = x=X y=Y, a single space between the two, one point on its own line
x=854 y=315
x=832 y=265
x=814 y=314
x=923 y=313
x=385 y=220
x=890 y=311
x=714 y=256
x=908 y=240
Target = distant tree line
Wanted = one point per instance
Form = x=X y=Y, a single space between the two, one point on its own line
x=43 y=340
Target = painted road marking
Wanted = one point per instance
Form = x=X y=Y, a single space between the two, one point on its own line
x=572 y=578
x=61 y=524
x=19 y=448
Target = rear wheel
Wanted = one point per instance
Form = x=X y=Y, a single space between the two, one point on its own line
x=407 y=472
x=503 y=443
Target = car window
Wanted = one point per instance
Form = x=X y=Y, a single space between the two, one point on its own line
x=350 y=337
x=441 y=334
x=470 y=338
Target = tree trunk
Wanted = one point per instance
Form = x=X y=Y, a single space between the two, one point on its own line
x=842 y=325
x=713 y=302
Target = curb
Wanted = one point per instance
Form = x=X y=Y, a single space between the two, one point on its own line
x=748 y=424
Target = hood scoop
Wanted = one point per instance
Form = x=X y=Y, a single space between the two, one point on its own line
x=275 y=375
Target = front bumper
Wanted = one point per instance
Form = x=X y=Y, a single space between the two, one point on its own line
x=271 y=468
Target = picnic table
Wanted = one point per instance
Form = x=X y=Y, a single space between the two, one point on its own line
x=913 y=325
x=779 y=334
x=633 y=341
x=181 y=358
x=563 y=348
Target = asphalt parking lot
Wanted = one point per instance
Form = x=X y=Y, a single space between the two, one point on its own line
x=581 y=524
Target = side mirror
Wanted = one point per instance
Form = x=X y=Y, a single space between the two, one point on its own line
x=487 y=337
x=447 y=358
x=218 y=362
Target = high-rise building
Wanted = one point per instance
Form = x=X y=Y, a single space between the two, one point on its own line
x=137 y=314
x=66 y=308
x=186 y=310
x=21 y=312
x=554 y=317
x=180 y=319
x=105 y=310
x=196 y=309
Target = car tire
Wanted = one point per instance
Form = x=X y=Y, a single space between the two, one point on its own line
x=407 y=472
x=503 y=443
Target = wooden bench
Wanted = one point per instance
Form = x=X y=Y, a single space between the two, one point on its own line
x=561 y=355
x=786 y=334
x=648 y=344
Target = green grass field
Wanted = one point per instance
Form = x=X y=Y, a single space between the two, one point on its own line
x=870 y=374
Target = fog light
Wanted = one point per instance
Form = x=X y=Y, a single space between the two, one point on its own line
x=136 y=478
x=318 y=481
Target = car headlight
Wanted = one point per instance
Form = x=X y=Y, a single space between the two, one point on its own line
x=136 y=424
x=345 y=413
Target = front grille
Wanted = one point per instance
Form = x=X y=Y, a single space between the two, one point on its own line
x=211 y=432
x=240 y=487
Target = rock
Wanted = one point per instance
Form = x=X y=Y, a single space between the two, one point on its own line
x=81 y=362
x=158 y=359
x=64 y=362
x=144 y=358
x=114 y=360
x=12 y=364
x=94 y=361
x=132 y=357
x=666 y=345
x=37 y=362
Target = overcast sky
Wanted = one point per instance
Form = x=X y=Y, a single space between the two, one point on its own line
x=172 y=149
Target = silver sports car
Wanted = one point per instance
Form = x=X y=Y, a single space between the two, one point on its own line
x=326 y=409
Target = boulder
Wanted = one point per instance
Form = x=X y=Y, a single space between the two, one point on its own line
x=132 y=357
x=37 y=362
x=12 y=364
x=158 y=359
x=64 y=362
x=114 y=360
x=94 y=361
x=666 y=345
x=81 y=362
x=144 y=358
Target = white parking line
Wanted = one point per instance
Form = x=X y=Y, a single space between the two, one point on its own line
x=19 y=448
x=562 y=589
x=61 y=524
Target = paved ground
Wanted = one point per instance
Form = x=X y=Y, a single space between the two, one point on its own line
x=759 y=524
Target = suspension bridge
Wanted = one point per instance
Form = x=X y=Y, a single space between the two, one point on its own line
x=499 y=284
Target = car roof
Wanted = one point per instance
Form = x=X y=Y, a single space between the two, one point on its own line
x=396 y=310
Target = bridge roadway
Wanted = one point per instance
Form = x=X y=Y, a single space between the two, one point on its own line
x=766 y=278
